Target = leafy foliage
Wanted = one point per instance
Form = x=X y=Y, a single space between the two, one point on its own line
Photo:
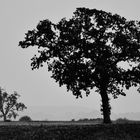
x=82 y=51
x=9 y=105
x=85 y=51
x=25 y=119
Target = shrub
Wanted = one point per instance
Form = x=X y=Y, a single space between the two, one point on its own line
x=25 y=119
x=7 y=120
x=122 y=120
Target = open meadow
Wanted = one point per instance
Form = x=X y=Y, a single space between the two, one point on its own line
x=68 y=131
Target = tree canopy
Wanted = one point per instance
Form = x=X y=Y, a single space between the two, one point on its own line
x=25 y=119
x=84 y=52
x=9 y=106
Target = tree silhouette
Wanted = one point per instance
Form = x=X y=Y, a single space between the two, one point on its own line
x=25 y=119
x=86 y=51
x=9 y=106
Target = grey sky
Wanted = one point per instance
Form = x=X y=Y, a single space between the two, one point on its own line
x=36 y=87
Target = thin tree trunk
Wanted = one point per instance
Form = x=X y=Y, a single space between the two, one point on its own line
x=105 y=106
x=4 y=118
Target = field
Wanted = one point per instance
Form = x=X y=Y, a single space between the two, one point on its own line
x=68 y=131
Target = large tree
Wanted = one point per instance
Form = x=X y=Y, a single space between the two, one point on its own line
x=9 y=106
x=86 y=52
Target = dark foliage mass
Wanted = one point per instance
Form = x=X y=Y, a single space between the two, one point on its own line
x=85 y=53
x=71 y=132
x=25 y=119
x=9 y=105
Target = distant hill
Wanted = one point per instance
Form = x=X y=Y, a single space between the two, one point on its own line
x=60 y=113
x=130 y=115
x=71 y=112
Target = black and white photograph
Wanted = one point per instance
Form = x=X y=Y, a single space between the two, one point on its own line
x=69 y=69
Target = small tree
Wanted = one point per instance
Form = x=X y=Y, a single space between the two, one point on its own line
x=25 y=119
x=85 y=52
x=9 y=105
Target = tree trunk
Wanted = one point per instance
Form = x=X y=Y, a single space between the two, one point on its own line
x=4 y=118
x=105 y=108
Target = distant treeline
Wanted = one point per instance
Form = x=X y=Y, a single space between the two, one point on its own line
x=100 y=120
x=89 y=120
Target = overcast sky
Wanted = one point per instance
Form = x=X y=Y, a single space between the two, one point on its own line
x=36 y=87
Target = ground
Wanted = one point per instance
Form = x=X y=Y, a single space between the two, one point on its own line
x=68 y=131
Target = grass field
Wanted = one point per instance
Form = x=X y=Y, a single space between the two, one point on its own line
x=68 y=131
